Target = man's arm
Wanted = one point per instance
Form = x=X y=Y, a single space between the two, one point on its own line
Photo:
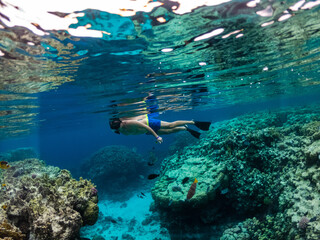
x=149 y=129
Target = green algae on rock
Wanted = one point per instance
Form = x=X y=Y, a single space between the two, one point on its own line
x=259 y=171
x=45 y=202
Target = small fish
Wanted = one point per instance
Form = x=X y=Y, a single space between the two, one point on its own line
x=170 y=203
x=4 y=185
x=139 y=196
x=153 y=176
x=192 y=189
x=4 y=165
x=185 y=180
x=224 y=191
x=4 y=207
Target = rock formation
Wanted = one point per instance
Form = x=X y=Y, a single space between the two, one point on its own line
x=43 y=202
x=258 y=177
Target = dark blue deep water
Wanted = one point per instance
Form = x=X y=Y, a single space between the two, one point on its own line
x=67 y=69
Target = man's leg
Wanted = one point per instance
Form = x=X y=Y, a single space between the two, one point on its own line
x=171 y=130
x=175 y=124
x=172 y=127
x=178 y=129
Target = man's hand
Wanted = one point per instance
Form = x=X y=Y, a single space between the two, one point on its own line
x=159 y=139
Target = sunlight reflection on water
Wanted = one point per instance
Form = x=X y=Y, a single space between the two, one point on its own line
x=189 y=54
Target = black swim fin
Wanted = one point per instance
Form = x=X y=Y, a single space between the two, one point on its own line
x=202 y=125
x=193 y=132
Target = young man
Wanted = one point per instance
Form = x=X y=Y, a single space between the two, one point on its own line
x=147 y=125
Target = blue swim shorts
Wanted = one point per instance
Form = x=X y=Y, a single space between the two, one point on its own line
x=155 y=124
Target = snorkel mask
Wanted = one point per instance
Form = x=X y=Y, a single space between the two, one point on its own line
x=115 y=125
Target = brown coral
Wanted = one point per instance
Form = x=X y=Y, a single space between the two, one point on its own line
x=9 y=232
x=50 y=206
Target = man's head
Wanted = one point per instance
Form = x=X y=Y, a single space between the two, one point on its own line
x=115 y=124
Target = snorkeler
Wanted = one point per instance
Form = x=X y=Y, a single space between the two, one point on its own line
x=147 y=125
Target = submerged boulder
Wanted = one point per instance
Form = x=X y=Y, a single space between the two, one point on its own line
x=114 y=169
x=313 y=153
x=44 y=202
x=8 y=231
x=19 y=154
x=257 y=179
x=172 y=188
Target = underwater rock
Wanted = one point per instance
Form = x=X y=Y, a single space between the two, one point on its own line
x=211 y=178
x=114 y=169
x=313 y=153
x=236 y=233
x=316 y=136
x=109 y=219
x=19 y=154
x=132 y=224
x=51 y=206
x=127 y=236
x=147 y=220
x=18 y=173
x=10 y=232
x=259 y=164
x=311 y=129
x=90 y=215
x=123 y=205
x=273 y=227
x=302 y=196
x=98 y=237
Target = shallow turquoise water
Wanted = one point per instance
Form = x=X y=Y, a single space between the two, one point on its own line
x=253 y=54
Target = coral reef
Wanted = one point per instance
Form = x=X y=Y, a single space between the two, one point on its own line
x=258 y=177
x=115 y=169
x=18 y=154
x=9 y=232
x=44 y=202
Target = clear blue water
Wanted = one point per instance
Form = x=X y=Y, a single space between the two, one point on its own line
x=58 y=90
